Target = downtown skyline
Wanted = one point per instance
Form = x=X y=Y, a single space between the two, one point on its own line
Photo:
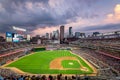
x=41 y=16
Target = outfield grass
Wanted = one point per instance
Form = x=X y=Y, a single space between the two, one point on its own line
x=38 y=63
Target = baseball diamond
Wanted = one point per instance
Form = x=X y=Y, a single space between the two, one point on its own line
x=52 y=62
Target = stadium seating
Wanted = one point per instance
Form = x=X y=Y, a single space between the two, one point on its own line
x=111 y=47
x=105 y=64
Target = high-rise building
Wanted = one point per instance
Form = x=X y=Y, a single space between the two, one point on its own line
x=54 y=34
x=47 y=35
x=95 y=33
x=51 y=36
x=70 y=32
x=58 y=35
x=82 y=35
x=77 y=34
x=61 y=34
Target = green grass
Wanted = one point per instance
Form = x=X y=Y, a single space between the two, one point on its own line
x=38 y=63
x=70 y=64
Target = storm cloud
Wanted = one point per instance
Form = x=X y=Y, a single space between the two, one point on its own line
x=35 y=14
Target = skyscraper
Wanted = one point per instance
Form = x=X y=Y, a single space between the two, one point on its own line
x=50 y=35
x=77 y=34
x=58 y=35
x=54 y=34
x=61 y=34
x=70 y=32
x=95 y=33
x=47 y=35
x=82 y=35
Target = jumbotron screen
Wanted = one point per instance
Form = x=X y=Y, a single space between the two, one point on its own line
x=14 y=37
x=8 y=37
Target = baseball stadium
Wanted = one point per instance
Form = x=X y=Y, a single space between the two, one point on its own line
x=59 y=39
x=56 y=61
x=40 y=58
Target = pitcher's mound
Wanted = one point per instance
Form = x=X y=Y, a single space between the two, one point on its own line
x=70 y=63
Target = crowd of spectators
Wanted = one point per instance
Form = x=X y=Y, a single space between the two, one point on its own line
x=109 y=46
x=10 y=51
x=104 y=54
x=107 y=51
x=108 y=66
x=7 y=74
x=7 y=46
x=101 y=63
x=11 y=56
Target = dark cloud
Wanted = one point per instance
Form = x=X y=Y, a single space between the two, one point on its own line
x=31 y=14
x=100 y=27
x=17 y=13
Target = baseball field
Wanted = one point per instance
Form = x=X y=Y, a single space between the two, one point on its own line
x=52 y=62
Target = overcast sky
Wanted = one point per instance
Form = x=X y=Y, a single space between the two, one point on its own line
x=41 y=16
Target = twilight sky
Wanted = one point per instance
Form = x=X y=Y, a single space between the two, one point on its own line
x=41 y=16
